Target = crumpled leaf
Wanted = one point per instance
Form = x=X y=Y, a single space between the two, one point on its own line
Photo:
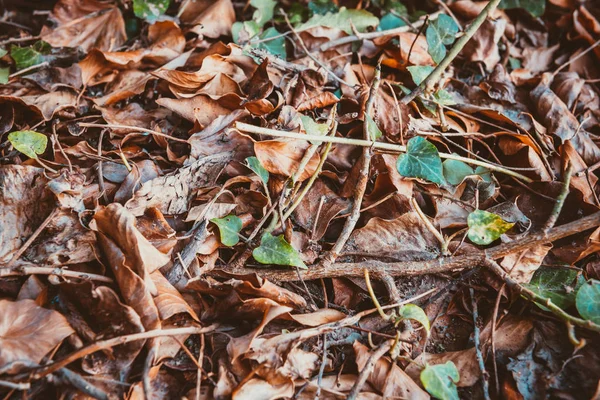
x=27 y=333
x=440 y=380
x=440 y=33
x=485 y=227
x=588 y=301
x=276 y=250
x=229 y=227
x=283 y=157
x=30 y=143
x=421 y=160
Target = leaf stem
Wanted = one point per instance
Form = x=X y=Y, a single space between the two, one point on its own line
x=436 y=74
x=396 y=148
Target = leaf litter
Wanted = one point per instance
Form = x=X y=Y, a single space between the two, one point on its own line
x=313 y=199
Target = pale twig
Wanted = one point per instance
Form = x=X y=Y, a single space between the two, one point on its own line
x=364 y=163
x=376 y=145
x=33 y=236
x=132 y=128
x=29 y=69
x=35 y=270
x=560 y=200
x=436 y=74
x=374 y=35
x=577 y=57
x=368 y=368
x=484 y=375
x=430 y=227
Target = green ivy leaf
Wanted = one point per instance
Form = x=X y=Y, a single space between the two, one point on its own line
x=4 y=73
x=277 y=251
x=555 y=284
x=421 y=160
x=244 y=31
x=456 y=171
x=374 y=131
x=485 y=227
x=390 y=21
x=485 y=173
x=258 y=169
x=418 y=73
x=391 y=5
x=322 y=7
x=25 y=57
x=443 y=98
x=343 y=20
x=264 y=11
x=273 y=46
x=440 y=380
x=533 y=7
x=150 y=10
x=440 y=33
x=229 y=227
x=30 y=143
x=588 y=301
x=3 y=52
x=414 y=312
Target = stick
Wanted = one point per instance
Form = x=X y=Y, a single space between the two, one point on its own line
x=34 y=270
x=396 y=148
x=560 y=200
x=484 y=374
x=432 y=266
x=436 y=74
x=32 y=238
x=132 y=128
x=364 y=374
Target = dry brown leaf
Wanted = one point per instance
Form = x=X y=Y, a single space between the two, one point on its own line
x=86 y=24
x=282 y=157
x=483 y=47
x=27 y=333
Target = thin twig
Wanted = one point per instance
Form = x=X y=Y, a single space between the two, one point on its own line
x=321 y=367
x=368 y=368
x=535 y=298
x=560 y=200
x=35 y=270
x=577 y=57
x=436 y=74
x=364 y=163
x=391 y=147
x=132 y=128
x=484 y=375
x=493 y=338
x=29 y=69
x=31 y=239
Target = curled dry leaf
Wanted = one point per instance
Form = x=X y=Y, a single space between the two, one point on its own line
x=27 y=333
x=282 y=157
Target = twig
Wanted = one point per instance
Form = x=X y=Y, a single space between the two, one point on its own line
x=34 y=270
x=374 y=35
x=364 y=164
x=31 y=239
x=28 y=69
x=535 y=298
x=366 y=372
x=321 y=367
x=40 y=372
x=560 y=200
x=430 y=227
x=132 y=128
x=376 y=145
x=434 y=266
x=16 y=386
x=484 y=375
x=435 y=75
x=311 y=56
x=493 y=337
x=577 y=57
x=67 y=376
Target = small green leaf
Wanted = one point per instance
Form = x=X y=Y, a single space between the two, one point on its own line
x=421 y=160
x=3 y=52
x=244 y=31
x=456 y=171
x=391 y=5
x=277 y=251
x=440 y=380
x=25 y=57
x=150 y=10
x=443 y=98
x=533 y=7
x=322 y=7
x=514 y=63
x=274 y=46
x=264 y=11
x=588 y=301
x=414 y=312
x=419 y=72
x=4 y=73
x=30 y=143
x=258 y=169
x=485 y=173
x=343 y=20
x=374 y=131
x=390 y=21
x=313 y=128
x=556 y=284
x=439 y=33
x=229 y=227
x=485 y=227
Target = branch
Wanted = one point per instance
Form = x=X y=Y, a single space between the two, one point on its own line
x=434 y=266
x=435 y=75
x=396 y=148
